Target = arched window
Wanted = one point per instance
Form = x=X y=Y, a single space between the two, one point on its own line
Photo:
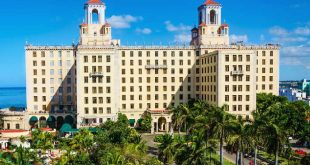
x=200 y=18
x=212 y=17
x=95 y=16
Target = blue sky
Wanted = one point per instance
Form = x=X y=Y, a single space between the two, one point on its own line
x=55 y=22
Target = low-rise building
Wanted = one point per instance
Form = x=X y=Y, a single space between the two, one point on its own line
x=293 y=94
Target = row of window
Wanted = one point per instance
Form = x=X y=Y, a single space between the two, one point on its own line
x=148 y=62
x=156 y=97
x=68 y=98
x=98 y=110
x=156 y=79
x=264 y=62
x=237 y=98
x=51 y=54
x=97 y=79
x=52 y=81
x=237 y=88
x=97 y=100
x=52 y=63
x=96 y=90
x=96 y=59
x=239 y=108
x=156 y=88
x=236 y=78
x=52 y=90
x=52 y=72
x=157 y=53
x=149 y=105
x=172 y=71
x=95 y=69
x=237 y=58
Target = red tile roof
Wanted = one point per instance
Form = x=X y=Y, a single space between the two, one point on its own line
x=46 y=129
x=225 y=25
x=203 y=24
x=95 y=2
x=211 y=2
x=83 y=24
x=107 y=24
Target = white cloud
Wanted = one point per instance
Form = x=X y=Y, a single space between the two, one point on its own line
x=296 y=51
x=291 y=61
x=183 y=37
x=290 y=39
x=122 y=21
x=237 y=38
x=302 y=31
x=279 y=31
x=144 y=31
x=174 y=28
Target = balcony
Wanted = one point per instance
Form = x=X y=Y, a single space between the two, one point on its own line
x=96 y=74
x=237 y=73
x=156 y=66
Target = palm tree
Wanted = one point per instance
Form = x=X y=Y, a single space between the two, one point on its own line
x=176 y=117
x=222 y=125
x=166 y=149
x=197 y=150
x=276 y=138
x=82 y=141
x=240 y=139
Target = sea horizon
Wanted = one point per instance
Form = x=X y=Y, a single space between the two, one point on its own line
x=12 y=97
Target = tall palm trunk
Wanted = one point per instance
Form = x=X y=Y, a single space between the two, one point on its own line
x=277 y=155
x=237 y=158
x=255 y=156
x=221 y=148
x=241 y=158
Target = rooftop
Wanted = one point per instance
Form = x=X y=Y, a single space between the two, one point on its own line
x=95 y=2
x=211 y=2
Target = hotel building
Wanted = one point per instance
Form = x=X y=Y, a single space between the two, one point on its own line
x=91 y=82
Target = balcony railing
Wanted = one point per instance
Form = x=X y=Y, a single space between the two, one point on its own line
x=237 y=72
x=96 y=74
x=156 y=66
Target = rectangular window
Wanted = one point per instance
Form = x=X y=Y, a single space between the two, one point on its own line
x=227 y=58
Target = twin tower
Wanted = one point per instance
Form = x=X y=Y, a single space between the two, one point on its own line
x=96 y=31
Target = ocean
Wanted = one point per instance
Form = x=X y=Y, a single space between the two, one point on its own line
x=12 y=97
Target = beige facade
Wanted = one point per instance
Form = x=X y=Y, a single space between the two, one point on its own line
x=13 y=120
x=98 y=78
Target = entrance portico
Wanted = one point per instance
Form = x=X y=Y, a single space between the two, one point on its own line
x=161 y=121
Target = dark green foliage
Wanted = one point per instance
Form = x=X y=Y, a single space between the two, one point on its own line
x=146 y=123
x=305 y=160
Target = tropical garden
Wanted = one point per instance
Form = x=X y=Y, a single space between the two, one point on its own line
x=203 y=134
x=210 y=130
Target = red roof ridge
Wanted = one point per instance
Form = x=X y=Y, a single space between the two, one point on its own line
x=211 y=2
x=99 y=2
x=202 y=24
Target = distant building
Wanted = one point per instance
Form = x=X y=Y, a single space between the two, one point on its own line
x=13 y=119
x=304 y=85
x=293 y=94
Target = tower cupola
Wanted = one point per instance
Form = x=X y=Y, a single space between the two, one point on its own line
x=210 y=13
x=211 y=31
x=95 y=12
